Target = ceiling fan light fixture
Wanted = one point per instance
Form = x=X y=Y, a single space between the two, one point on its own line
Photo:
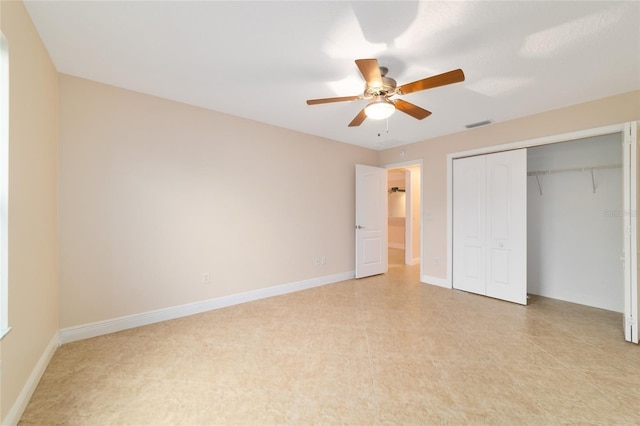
x=381 y=92
x=380 y=108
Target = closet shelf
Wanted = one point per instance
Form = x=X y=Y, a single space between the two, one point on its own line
x=591 y=169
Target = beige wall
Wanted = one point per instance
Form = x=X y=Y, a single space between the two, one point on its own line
x=33 y=284
x=154 y=193
x=433 y=152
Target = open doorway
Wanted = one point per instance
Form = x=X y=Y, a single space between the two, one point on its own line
x=403 y=214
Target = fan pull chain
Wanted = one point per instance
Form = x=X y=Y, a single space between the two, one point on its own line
x=387 y=128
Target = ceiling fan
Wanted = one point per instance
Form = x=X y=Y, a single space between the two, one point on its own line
x=380 y=89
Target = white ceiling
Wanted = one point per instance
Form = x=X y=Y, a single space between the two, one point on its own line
x=262 y=60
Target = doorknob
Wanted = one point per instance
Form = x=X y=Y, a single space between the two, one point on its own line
x=359 y=227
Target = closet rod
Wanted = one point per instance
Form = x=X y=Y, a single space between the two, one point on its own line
x=576 y=169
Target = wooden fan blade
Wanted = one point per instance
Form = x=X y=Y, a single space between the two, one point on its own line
x=450 y=77
x=329 y=100
x=370 y=71
x=413 y=110
x=359 y=119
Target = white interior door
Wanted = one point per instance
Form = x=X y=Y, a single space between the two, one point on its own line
x=490 y=225
x=371 y=221
x=629 y=250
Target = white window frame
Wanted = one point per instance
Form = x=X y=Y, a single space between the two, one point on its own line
x=4 y=185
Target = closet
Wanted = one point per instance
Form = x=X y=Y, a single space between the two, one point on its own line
x=581 y=227
x=546 y=220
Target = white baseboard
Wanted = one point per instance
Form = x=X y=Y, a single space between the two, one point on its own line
x=86 y=331
x=440 y=282
x=13 y=416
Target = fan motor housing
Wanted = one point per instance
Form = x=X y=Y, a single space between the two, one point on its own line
x=388 y=88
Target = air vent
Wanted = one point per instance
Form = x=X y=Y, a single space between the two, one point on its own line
x=478 y=124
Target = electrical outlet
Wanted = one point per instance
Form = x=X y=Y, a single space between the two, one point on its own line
x=436 y=260
x=323 y=260
x=206 y=278
x=317 y=260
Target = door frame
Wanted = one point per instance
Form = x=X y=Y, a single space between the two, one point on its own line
x=623 y=128
x=413 y=163
x=631 y=299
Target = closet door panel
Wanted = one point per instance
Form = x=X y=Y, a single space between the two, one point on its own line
x=469 y=229
x=499 y=192
x=507 y=226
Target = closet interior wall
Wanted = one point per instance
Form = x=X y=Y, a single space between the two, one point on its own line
x=575 y=220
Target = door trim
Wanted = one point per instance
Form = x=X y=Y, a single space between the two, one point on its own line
x=630 y=309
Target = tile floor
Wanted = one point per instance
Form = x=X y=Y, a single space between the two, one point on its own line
x=380 y=350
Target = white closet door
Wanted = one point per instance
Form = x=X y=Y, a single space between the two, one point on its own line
x=469 y=218
x=490 y=225
x=507 y=226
